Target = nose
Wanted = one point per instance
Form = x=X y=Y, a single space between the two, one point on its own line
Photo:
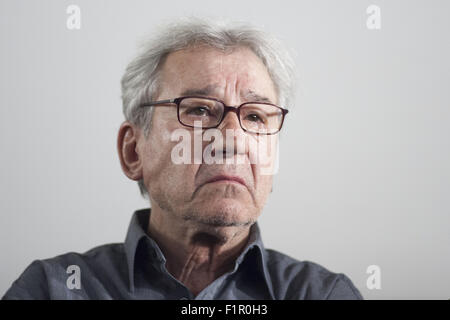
x=238 y=137
x=230 y=120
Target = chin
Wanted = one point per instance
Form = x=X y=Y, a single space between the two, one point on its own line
x=223 y=213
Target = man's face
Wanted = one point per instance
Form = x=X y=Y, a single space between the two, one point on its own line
x=183 y=190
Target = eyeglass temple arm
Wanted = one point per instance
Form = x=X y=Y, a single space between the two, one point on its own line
x=154 y=103
x=276 y=113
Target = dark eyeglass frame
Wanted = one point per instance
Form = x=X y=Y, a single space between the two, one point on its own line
x=226 y=109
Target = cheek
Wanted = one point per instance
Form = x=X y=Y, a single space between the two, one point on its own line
x=156 y=153
x=263 y=152
x=161 y=174
x=266 y=152
x=264 y=187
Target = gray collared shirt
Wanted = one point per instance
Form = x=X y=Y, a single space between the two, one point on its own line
x=136 y=270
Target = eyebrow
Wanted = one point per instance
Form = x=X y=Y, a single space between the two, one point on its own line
x=206 y=91
x=253 y=96
x=210 y=89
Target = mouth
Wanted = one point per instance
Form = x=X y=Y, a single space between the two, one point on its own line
x=226 y=179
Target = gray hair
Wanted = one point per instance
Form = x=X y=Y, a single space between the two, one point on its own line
x=141 y=79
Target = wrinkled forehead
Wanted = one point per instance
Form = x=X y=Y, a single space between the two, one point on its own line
x=238 y=70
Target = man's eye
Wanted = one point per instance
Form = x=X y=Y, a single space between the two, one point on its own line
x=198 y=111
x=254 y=118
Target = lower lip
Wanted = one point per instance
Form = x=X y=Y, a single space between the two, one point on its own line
x=226 y=181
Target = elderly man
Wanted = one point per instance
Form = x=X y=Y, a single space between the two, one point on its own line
x=223 y=90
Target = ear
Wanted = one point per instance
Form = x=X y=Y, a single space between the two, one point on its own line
x=130 y=159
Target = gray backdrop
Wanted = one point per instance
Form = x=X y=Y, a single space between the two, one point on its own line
x=364 y=165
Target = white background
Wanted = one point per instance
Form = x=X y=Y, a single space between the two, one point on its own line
x=365 y=160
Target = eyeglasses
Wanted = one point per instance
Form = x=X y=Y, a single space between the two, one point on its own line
x=206 y=113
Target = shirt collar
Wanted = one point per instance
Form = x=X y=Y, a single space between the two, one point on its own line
x=137 y=231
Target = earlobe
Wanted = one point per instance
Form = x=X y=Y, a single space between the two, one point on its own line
x=130 y=159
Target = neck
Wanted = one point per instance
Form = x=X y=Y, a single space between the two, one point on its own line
x=196 y=254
